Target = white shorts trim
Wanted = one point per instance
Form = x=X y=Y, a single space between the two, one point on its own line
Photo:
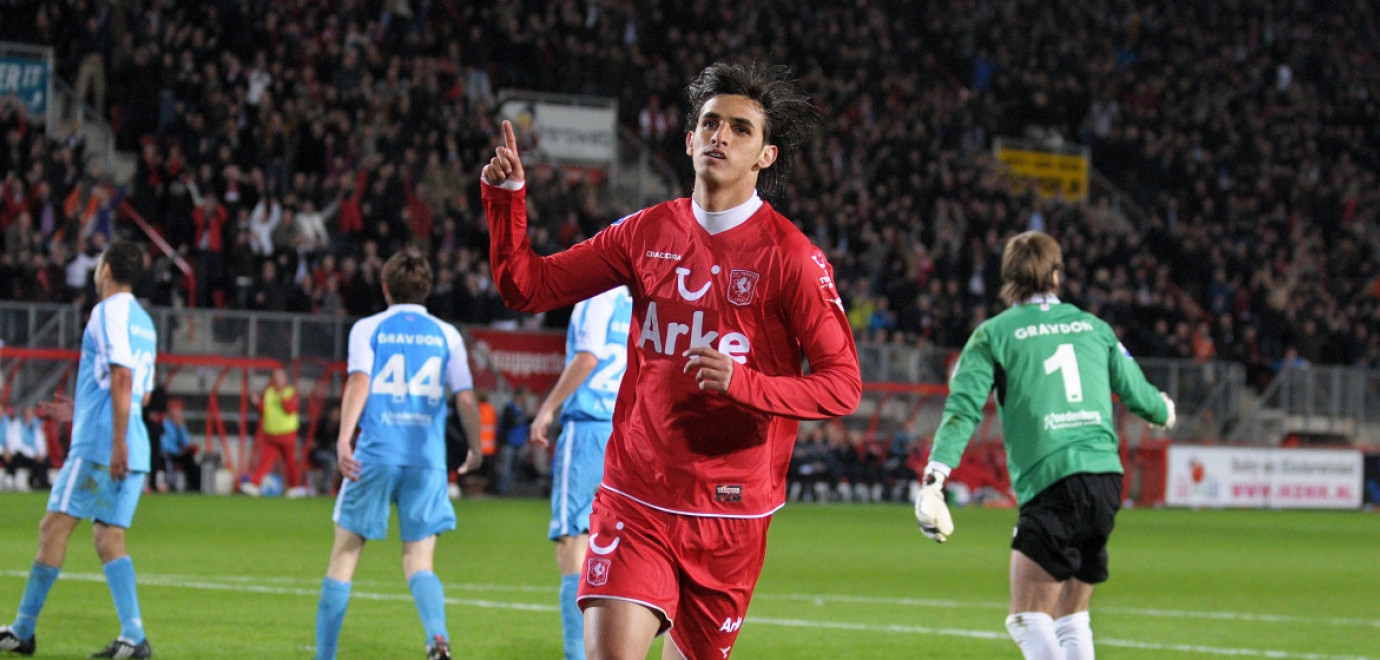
x=750 y=516
x=65 y=504
x=660 y=612
x=568 y=433
x=340 y=497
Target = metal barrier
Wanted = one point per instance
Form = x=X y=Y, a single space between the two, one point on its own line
x=1214 y=401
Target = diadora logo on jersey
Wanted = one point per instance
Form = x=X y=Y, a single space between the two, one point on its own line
x=731 y=625
x=653 y=254
x=604 y=549
x=597 y=571
x=727 y=493
x=741 y=285
x=733 y=344
x=725 y=650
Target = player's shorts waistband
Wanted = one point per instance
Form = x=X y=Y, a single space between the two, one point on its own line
x=698 y=514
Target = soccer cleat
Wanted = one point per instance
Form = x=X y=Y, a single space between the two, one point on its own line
x=12 y=643
x=123 y=648
x=438 y=649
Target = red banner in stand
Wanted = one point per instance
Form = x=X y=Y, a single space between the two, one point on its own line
x=534 y=359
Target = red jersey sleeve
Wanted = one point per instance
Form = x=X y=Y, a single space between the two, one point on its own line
x=529 y=282
x=814 y=314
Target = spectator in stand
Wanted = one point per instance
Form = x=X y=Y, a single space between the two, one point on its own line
x=178 y=451
x=903 y=193
x=25 y=451
x=277 y=437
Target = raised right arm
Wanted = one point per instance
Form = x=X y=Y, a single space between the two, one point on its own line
x=529 y=282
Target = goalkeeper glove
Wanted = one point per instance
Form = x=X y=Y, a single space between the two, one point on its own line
x=1171 y=417
x=931 y=511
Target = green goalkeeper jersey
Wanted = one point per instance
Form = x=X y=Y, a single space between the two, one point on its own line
x=1054 y=368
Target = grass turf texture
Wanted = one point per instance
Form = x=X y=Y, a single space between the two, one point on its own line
x=224 y=577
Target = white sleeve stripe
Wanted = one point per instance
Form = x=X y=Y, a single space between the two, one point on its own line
x=115 y=326
x=458 y=374
x=592 y=333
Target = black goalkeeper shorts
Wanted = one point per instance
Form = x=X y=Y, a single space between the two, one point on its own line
x=1065 y=527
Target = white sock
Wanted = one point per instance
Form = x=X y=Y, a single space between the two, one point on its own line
x=1075 y=635
x=1034 y=633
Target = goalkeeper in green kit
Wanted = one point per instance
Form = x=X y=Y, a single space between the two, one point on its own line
x=1054 y=368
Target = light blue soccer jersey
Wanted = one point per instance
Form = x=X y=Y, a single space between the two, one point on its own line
x=598 y=326
x=410 y=357
x=121 y=333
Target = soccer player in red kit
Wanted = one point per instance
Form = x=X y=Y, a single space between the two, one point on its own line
x=728 y=296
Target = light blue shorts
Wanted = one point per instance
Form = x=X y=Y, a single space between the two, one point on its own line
x=84 y=490
x=577 y=467
x=420 y=493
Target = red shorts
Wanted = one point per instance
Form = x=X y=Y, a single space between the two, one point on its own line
x=697 y=573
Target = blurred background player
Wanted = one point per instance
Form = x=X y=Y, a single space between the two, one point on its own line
x=278 y=424
x=178 y=450
x=1054 y=368
x=729 y=296
x=401 y=361
x=109 y=458
x=596 y=354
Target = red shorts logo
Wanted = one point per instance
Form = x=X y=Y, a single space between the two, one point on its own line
x=597 y=571
x=741 y=285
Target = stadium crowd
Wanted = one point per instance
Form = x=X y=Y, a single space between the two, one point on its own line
x=286 y=147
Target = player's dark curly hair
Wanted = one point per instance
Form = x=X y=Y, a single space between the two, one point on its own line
x=126 y=261
x=791 y=116
x=407 y=274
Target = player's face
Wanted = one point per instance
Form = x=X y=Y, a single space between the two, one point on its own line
x=728 y=142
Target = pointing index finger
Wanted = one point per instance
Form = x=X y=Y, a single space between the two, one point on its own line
x=509 y=138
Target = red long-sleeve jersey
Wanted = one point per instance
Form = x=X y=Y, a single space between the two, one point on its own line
x=759 y=292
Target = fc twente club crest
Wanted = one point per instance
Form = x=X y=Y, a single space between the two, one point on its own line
x=742 y=285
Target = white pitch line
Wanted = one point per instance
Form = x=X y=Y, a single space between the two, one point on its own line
x=820 y=599
x=1101 y=641
x=246 y=584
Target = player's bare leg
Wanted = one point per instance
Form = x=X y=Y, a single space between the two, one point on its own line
x=110 y=541
x=53 y=533
x=427 y=593
x=1034 y=596
x=1072 y=623
x=1075 y=597
x=417 y=555
x=345 y=554
x=619 y=630
x=1033 y=589
x=570 y=553
x=669 y=651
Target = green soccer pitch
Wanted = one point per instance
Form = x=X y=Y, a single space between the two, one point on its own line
x=234 y=577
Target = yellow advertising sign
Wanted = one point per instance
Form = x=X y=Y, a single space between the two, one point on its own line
x=1064 y=175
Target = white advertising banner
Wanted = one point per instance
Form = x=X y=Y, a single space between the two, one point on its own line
x=1238 y=477
x=566 y=131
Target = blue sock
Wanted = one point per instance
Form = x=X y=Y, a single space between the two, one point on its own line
x=41 y=578
x=431 y=603
x=572 y=621
x=330 y=614
x=119 y=576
